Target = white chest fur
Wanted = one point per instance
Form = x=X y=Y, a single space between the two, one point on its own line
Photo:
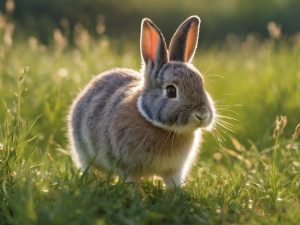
x=180 y=158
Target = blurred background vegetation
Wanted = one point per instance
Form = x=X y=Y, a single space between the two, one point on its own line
x=248 y=170
x=219 y=18
x=246 y=47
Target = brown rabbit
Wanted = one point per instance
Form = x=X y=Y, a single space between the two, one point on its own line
x=147 y=123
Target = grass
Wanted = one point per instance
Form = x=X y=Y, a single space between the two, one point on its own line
x=252 y=177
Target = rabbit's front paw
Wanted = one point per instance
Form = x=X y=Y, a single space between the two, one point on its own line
x=174 y=179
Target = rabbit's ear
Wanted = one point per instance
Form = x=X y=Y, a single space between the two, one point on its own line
x=184 y=41
x=153 y=45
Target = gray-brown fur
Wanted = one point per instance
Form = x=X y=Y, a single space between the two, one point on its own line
x=124 y=121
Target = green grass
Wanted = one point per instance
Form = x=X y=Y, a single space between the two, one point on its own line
x=252 y=178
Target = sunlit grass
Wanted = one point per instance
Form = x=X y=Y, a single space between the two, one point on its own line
x=246 y=174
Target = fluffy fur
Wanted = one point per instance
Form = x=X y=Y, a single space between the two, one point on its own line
x=124 y=121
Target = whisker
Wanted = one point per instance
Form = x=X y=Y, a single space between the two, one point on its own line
x=214 y=75
x=223 y=97
x=228 y=105
x=222 y=132
x=227 y=117
x=211 y=80
x=225 y=123
x=218 y=137
x=210 y=66
x=227 y=128
x=228 y=110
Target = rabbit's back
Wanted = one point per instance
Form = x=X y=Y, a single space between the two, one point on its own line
x=88 y=112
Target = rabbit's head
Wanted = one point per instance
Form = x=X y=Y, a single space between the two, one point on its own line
x=173 y=95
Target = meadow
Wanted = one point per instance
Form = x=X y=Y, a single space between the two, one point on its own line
x=248 y=171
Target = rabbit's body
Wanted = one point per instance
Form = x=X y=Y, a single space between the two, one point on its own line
x=100 y=126
x=143 y=124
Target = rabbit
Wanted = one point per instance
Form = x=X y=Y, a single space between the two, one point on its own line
x=140 y=124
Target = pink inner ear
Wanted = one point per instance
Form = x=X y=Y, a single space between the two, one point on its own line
x=150 y=42
x=190 y=43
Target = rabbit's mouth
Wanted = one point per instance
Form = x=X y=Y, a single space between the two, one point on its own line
x=207 y=123
x=202 y=117
x=193 y=124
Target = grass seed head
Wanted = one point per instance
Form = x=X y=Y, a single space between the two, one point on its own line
x=296 y=132
x=274 y=30
x=10 y=6
x=280 y=124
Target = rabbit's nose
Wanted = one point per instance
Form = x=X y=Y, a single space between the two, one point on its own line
x=201 y=115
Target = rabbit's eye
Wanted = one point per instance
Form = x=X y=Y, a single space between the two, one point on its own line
x=171 y=91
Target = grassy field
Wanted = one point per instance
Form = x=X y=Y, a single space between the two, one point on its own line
x=250 y=175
